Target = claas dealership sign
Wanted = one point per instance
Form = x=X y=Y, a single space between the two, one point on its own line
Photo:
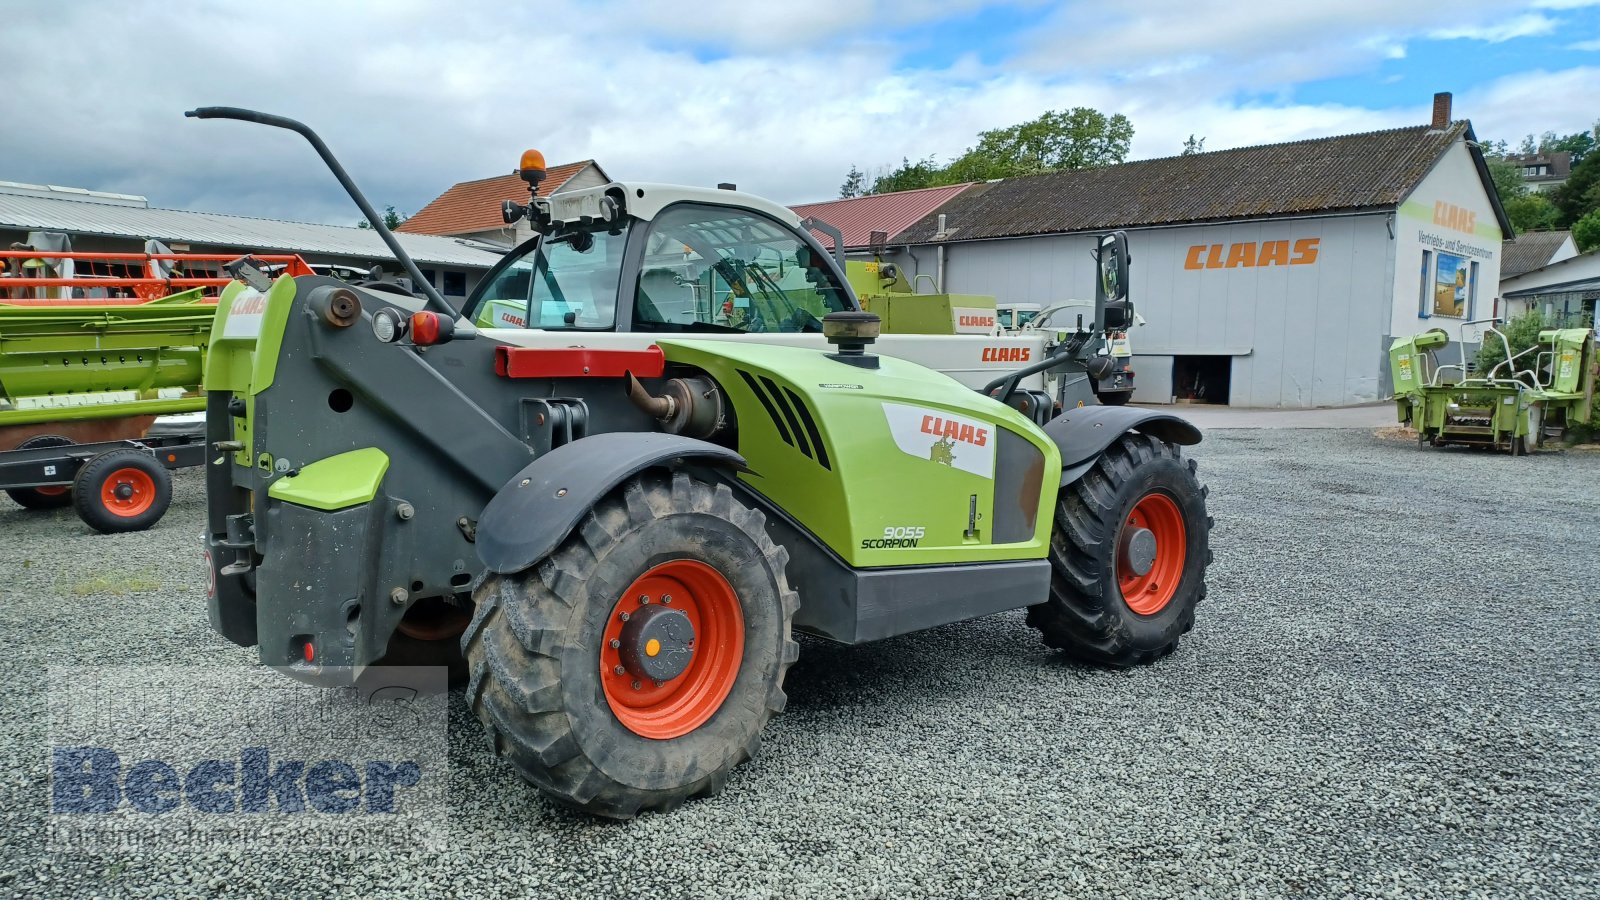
x=1252 y=254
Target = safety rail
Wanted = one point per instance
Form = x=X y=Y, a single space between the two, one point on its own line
x=118 y=279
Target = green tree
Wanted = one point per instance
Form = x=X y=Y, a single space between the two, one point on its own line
x=1531 y=211
x=1077 y=138
x=1579 y=143
x=1581 y=194
x=391 y=219
x=855 y=184
x=1194 y=145
x=1586 y=231
x=1507 y=178
x=908 y=176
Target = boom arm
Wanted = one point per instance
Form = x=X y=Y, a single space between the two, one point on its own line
x=376 y=221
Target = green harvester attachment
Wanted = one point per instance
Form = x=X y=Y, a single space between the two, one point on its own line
x=1525 y=399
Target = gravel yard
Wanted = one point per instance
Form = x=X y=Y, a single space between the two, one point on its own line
x=1391 y=691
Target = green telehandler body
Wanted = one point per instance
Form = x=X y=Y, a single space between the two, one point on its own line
x=613 y=522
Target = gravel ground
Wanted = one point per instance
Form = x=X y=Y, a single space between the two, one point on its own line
x=1390 y=692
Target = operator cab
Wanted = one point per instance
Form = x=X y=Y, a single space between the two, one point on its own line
x=683 y=264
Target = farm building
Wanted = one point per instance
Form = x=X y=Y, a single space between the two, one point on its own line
x=1272 y=276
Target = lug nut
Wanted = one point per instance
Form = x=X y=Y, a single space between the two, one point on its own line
x=636 y=686
x=666 y=598
x=643 y=599
x=621 y=671
x=615 y=644
x=624 y=615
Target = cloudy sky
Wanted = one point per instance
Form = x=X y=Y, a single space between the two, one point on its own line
x=779 y=97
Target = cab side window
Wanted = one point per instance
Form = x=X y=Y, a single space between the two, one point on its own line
x=713 y=268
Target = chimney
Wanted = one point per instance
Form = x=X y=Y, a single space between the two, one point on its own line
x=1441 y=111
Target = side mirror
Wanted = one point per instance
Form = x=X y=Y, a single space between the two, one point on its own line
x=1113 y=258
x=1111 y=288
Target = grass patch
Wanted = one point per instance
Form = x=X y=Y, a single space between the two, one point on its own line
x=116 y=584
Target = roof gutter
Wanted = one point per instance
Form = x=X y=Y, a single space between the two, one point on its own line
x=1209 y=223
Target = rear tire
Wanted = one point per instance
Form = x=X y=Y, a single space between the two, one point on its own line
x=1139 y=482
x=543 y=666
x=54 y=497
x=122 y=490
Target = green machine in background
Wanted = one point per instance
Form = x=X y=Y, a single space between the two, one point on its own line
x=1523 y=400
x=884 y=289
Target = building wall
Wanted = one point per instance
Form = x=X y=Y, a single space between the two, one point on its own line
x=1297 y=305
x=1450 y=218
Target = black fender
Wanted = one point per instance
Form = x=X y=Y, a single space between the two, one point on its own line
x=1085 y=432
x=541 y=504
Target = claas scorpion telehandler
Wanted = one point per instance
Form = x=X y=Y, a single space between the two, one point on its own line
x=622 y=527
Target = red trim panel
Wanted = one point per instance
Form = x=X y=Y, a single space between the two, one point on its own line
x=578 y=362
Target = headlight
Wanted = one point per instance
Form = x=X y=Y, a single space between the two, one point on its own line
x=388 y=325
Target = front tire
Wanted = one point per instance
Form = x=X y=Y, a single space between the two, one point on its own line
x=1128 y=556
x=122 y=490
x=545 y=647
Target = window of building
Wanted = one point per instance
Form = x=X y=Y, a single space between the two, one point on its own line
x=431 y=278
x=455 y=284
x=1424 y=293
x=1450 y=287
x=1472 y=290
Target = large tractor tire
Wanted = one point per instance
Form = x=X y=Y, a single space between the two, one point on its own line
x=1128 y=556
x=122 y=490
x=635 y=667
x=53 y=497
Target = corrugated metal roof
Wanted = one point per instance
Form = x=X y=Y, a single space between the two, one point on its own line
x=858 y=217
x=1530 y=250
x=242 y=232
x=471 y=206
x=1346 y=172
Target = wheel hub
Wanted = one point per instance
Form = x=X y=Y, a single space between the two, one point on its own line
x=123 y=490
x=1138 y=550
x=657 y=643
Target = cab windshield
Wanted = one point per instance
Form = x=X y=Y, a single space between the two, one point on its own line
x=712 y=268
x=566 y=282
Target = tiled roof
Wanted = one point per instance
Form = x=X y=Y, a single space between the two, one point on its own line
x=1529 y=251
x=1346 y=172
x=858 y=217
x=475 y=205
x=27 y=213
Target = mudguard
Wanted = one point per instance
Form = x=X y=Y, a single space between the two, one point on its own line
x=1083 y=434
x=541 y=504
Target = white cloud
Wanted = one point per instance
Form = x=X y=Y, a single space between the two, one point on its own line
x=1530 y=25
x=1585 y=45
x=779 y=101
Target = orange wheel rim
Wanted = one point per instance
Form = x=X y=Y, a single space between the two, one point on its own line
x=128 y=492
x=683 y=591
x=1149 y=575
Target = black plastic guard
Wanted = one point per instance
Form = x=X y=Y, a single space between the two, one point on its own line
x=1084 y=433
x=541 y=504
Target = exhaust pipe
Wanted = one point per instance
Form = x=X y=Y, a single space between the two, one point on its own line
x=689 y=406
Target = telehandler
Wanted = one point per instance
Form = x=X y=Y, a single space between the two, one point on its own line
x=621 y=530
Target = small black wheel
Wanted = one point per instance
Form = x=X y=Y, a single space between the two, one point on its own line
x=122 y=490
x=635 y=667
x=1128 y=556
x=52 y=497
x=1115 y=398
